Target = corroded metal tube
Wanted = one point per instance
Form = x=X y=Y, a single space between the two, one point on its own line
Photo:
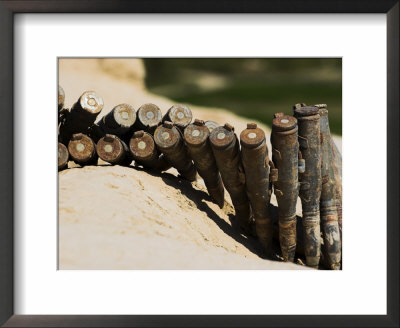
x=119 y=121
x=337 y=168
x=256 y=168
x=170 y=142
x=225 y=146
x=63 y=157
x=82 y=149
x=329 y=218
x=310 y=181
x=81 y=116
x=145 y=152
x=285 y=157
x=62 y=112
x=197 y=141
x=113 y=150
x=149 y=116
x=180 y=115
x=61 y=98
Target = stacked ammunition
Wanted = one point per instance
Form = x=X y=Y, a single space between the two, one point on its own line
x=226 y=149
x=145 y=152
x=256 y=166
x=286 y=168
x=198 y=144
x=170 y=142
x=74 y=128
x=305 y=163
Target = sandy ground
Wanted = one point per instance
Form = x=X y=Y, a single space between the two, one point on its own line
x=113 y=217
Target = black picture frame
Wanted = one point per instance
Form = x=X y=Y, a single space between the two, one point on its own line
x=7 y=10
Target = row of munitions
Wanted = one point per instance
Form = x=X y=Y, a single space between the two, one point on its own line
x=302 y=164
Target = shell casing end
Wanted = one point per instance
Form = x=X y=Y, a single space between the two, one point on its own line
x=196 y=135
x=166 y=138
x=306 y=111
x=63 y=156
x=284 y=123
x=149 y=115
x=91 y=102
x=110 y=149
x=142 y=146
x=180 y=115
x=252 y=136
x=221 y=137
x=124 y=115
x=81 y=148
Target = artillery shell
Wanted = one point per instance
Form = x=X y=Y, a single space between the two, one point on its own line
x=81 y=116
x=170 y=142
x=113 y=150
x=211 y=125
x=82 y=150
x=63 y=157
x=337 y=166
x=285 y=153
x=310 y=181
x=62 y=112
x=256 y=168
x=329 y=218
x=61 y=98
x=198 y=145
x=149 y=116
x=86 y=109
x=119 y=121
x=180 y=115
x=226 y=151
x=145 y=153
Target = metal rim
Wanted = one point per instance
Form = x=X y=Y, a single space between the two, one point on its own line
x=165 y=137
x=222 y=137
x=196 y=135
x=149 y=115
x=142 y=146
x=91 y=102
x=124 y=115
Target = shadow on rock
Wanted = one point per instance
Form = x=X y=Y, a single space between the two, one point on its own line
x=198 y=197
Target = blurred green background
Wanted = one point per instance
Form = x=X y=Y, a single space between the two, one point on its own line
x=250 y=87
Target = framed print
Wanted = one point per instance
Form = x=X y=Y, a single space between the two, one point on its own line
x=181 y=132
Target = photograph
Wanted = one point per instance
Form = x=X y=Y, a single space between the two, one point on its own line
x=200 y=177
x=199 y=163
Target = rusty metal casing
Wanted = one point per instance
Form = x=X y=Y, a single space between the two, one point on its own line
x=81 y=116
x=254 y=155
x=169 y=141
x=62 y=112
x=113 y=150
x=61 y=98
x=285 y=158
x=148 y=117
x=337 y=168
x=329 y=218
x=225 y=146
x=310 y=181
x=118 y=122
x=145 y=152
x=82 y=149
x=63 y=156
x=180 y=115
x=197 y=142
